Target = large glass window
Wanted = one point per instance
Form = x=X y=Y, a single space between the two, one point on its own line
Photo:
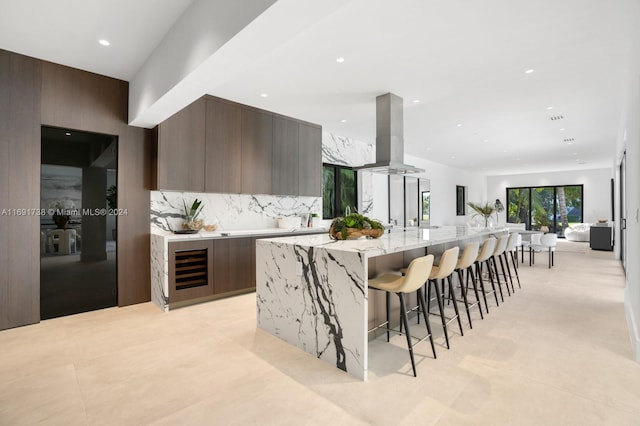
x=339 y=190
x=547 y=208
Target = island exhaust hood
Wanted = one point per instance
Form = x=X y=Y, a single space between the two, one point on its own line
x=389 y=138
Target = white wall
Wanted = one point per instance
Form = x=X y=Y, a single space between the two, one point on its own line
x=443 y=189
x=629 y=140
x=597 y=189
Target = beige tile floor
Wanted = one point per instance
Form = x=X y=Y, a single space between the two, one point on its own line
x=555 y=353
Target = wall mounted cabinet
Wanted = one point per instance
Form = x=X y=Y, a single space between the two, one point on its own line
x=181 y=149
x=309 y=160
x=223 y=147
x=215 y=145
x=285 y=156
x=257 y=143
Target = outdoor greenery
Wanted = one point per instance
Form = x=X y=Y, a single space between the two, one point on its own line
x=556 y=207
x=338 y=189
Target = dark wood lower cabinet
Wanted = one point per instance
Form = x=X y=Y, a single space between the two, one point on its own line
x=233 y=265
x=190 y=270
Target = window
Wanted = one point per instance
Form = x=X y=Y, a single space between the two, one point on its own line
x=460 y=201
x=546 y=207
x=339 y=191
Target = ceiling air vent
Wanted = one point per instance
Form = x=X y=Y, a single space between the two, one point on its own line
x=568 y=140
x=556 y=117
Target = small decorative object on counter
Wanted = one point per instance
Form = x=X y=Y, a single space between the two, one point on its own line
x=315 y=220
x=191 y=215
x=353 y=226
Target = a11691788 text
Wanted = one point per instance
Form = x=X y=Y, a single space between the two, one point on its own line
x=63 y=212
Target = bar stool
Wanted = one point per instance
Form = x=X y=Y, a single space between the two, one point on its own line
x=484 y=257
x=512 y=246
x=418 y=270
x=438 y=273
x=465 y=264
x=497 y=253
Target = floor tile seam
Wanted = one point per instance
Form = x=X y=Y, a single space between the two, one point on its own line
x=81 y=393
x=627 y=408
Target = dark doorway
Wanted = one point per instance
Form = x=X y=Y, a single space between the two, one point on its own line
x=78 y=222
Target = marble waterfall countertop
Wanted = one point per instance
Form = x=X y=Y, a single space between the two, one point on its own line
x=160 y=253
x=312 y=291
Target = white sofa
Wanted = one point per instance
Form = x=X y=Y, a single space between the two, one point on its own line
x=579 y=232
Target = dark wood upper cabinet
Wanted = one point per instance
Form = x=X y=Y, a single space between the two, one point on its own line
x=310 y=160
x=257 y=142
x=181 y=149
x=285 y=156
x=219 y=146
x=223 y=147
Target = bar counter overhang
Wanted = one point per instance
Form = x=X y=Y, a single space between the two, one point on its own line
x=312 y=291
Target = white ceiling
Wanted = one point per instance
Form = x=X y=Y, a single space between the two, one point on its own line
x=464 y=60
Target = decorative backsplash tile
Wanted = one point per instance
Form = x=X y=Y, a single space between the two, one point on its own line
x=243 y=211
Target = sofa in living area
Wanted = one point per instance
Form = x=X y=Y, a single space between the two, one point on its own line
x=578 y=232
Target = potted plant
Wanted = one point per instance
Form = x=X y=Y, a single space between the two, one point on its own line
x=483 y=210
x=315 y=220
x=191 y=215
x=353 y=226
x=541 y=219
x=112 y=203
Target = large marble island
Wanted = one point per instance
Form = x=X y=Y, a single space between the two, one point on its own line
x=312 y=291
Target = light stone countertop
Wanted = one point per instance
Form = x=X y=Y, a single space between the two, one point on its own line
x=388 y=243
x=170 y=236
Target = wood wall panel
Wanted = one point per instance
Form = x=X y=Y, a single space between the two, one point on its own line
x=33 y=93
x=20 y=84
x=82 y=100
x=134 y=240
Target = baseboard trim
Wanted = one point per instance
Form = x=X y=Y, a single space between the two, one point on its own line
x=632 y=323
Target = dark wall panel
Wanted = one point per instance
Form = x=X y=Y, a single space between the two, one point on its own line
x=85 y=101
x=32 y=93
x=20 y=79
x=134 y=241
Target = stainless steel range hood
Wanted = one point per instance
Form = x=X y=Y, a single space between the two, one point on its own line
x=389 y=138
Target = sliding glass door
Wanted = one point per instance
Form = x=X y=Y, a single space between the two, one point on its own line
x=546 y=208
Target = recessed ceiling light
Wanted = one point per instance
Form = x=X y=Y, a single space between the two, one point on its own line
x=416 y=101
x=529 y=71
x=428 y=148
x=343 y=121
x=459 y=125
x=549 y=107
x=340 y=59
x=562 y=129
x=264 y=95
x=504 y=150
x=517 y=159
x=104 y=42
x=453 y=157
x=68 y=133
x=485 y=140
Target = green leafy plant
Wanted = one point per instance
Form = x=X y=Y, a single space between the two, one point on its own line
x=112 y=197
x=341 y=225
x=484 y=210
x=191 y=213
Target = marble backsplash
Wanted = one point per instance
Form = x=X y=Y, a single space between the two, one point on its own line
x=244 y=211
x=229 y=211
